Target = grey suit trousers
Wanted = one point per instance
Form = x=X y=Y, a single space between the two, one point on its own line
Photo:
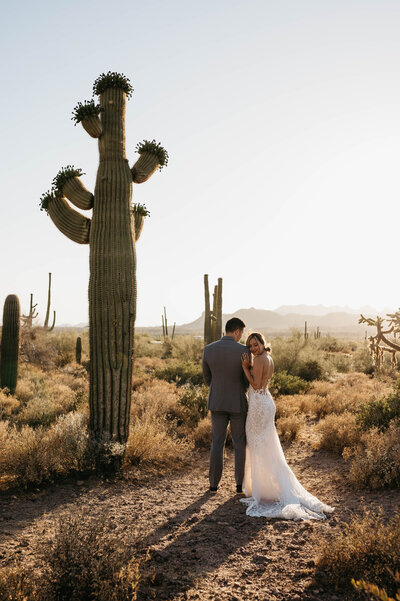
x=220 y=420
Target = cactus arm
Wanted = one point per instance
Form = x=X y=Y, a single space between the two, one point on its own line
x=93 y=126
x=152 y=157
x=146 y=165
x=10 y=343
x=76 y=192
x=71 y=223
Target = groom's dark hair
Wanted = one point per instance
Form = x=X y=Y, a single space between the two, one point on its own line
x=234 y=324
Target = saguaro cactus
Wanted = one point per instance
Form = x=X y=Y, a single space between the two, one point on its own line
x=212 y=319
x=112 y=283
x=78 y=349
x=46 y=321
x=10 y=343
x=27 y=320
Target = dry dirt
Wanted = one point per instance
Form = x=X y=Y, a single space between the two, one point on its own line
x=201 y=546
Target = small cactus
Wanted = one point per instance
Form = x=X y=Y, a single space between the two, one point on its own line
x=212 y=319
x=78 y=350
x=10 y=343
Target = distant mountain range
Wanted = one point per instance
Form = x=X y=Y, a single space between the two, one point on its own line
x=339 y=321
x=334 y=320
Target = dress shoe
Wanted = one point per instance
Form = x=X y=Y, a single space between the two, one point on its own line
x=239 y=489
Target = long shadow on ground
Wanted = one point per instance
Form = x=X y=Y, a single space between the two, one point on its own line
x=195 y=547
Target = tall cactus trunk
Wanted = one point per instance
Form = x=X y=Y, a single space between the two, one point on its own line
x=112 y=283
x=10 y=343
x=46 y=321
x=78 y=350
x=207 y=312
x=218 y=326
x=213 y=316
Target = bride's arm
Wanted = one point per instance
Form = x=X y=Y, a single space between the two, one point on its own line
x=253 y=375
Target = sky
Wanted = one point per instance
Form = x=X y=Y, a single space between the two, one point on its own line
x=282 y=122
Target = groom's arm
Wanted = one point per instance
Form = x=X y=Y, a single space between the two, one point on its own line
x=206 y=371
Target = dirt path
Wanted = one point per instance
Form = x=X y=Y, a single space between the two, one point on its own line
x=201 y=546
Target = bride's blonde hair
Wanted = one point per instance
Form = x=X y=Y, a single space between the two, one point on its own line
x=258 y=336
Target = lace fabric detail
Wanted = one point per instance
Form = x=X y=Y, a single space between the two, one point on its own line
x=272 y=489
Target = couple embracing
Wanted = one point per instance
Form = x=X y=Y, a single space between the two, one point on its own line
x=271 y=489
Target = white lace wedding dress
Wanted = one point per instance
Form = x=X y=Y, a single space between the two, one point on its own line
x=271 y=488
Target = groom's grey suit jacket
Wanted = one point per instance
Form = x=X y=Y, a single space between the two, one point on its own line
x=222 y=371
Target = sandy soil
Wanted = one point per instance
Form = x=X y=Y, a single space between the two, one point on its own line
x=201 y=546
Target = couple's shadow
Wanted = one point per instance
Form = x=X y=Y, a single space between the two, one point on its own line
x=188 y=546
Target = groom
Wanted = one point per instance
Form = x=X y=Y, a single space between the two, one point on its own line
x=222 y=371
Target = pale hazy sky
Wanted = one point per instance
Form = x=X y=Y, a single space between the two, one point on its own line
x=282 y=121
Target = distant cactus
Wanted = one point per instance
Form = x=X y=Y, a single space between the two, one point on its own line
x=376 y=347
x=111 y=236
x=78 y=350
x=305 y=331
x=212 y=319
x=28 y=319
x=46 y=321
x=10 y=343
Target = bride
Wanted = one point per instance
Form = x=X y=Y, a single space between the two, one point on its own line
x=271 y=488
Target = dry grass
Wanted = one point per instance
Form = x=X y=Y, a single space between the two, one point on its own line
x=159 y=427
x=368 y=548
x=201 y=435
x=336 y=432
x=81 y=561
x=375 y=462
x=33 y=455
x=289 y=427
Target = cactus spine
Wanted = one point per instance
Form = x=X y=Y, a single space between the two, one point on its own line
x=212 y=319
x=112 y=259
x=10 y=343
x=78 y=349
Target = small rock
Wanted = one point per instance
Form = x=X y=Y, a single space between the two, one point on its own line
x=79 y=482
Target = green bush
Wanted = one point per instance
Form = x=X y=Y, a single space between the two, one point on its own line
x=194 y=400
x=181 y=372
x=362 y=359
x=284 y=383
x=379 y=413
x=310 y=370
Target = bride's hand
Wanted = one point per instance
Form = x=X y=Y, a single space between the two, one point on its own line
x=245 y=360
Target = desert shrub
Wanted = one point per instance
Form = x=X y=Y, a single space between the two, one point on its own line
x=376 y=459
x=310 y=370
x=181 y=372
x=187 y=348
x=289 y=427
x=336 y=432
x=330 y=344
x=284 y=383
x=367 y=548
x=8 y=404
x=201 y=435
x=82 y=561
x=50 y=349
x=17 y=584
x=375 y=591
x=158 y=399
x=151 y=442
x=286 y=352
x=341 y=363
x=362 y=359
x=146 y=346
x=194 y=400
x=379 y=413
x=30 y=456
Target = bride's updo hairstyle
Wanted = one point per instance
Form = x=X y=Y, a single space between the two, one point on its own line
x=258 y=336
